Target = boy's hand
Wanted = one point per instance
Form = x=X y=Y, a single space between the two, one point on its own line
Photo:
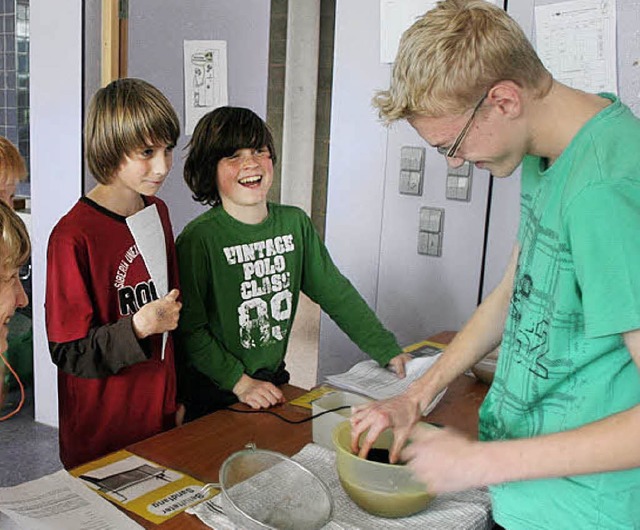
x=257 y=394
x=397 y=364
x=158 y=316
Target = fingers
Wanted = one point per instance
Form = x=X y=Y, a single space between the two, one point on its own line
x=398 y=364
x=260 y=394
x=173 y=295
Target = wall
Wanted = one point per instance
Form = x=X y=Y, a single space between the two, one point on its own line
x=56 y=116
x=157 y=29
x=414 y=295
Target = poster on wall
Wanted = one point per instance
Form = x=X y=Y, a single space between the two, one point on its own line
x=205 y=79
x=398 y=15
x=576 y=41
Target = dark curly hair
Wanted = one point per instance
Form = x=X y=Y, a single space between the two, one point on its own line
x=219 y=134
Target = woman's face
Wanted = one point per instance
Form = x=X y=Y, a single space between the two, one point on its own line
x=12 y=296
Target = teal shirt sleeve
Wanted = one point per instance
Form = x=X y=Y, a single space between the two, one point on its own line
x=325 y=285
x=195 y=337
x=602 y=223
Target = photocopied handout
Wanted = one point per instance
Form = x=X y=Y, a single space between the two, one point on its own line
x=205 y=79
x=576 y=41
x=60 y=502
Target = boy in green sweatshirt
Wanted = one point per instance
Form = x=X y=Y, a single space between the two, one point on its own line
x=242 y=266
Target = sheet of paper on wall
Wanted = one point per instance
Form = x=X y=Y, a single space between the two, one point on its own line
x=146 y=229
x=205 y=79
x=395 y=17
x=370 y=379
x=60 y=502
x=576 y=41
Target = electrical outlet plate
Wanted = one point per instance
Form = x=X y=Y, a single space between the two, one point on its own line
x=430 y=244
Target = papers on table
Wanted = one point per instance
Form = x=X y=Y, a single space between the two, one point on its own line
x=60 y=502
x=370 y=379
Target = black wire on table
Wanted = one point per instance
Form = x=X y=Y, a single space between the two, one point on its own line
x=287 y=419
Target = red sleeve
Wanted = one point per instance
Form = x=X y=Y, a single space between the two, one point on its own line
x=68 y=307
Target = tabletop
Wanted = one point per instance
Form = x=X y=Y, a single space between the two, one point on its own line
x=199 y=447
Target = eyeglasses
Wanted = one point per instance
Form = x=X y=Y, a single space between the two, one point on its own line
x=450 y=152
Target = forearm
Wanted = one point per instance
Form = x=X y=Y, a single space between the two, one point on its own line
x=481 y=334
x=103 y=352
x=610 y=444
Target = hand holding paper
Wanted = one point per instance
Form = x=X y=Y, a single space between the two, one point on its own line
x=158 y=316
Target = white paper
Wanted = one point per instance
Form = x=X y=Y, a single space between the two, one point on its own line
x=61 y=502
x=205 y=79
x=370 y=379
x=396 y=16
x=576 y=42
x=146 y=229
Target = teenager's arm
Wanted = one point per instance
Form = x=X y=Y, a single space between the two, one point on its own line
x=103 y=352
x=478 y=337
x=327 y=286
x=447 y=461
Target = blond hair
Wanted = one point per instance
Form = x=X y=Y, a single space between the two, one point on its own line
x=12 y=167
x=126 y=115
x=15 y=247
x=453 y=55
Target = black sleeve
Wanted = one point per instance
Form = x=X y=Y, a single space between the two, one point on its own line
x=103 y=352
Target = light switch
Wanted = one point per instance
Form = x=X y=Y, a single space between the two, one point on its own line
x=431 y=219
x=411 y=182
x=459 y=182
x=412 y=158
x=430 y=244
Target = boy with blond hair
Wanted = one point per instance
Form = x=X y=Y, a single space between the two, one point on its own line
x=105 y=316
x=560 y=424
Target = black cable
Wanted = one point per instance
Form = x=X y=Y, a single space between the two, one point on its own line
x=262 y=411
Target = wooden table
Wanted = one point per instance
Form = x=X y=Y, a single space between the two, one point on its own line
x=199 y=448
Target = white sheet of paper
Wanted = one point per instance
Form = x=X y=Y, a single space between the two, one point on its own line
x=146 y=228
x=61 y=502
x=205 y=79
x=576 y=41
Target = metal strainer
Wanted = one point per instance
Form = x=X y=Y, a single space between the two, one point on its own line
x=266 y=490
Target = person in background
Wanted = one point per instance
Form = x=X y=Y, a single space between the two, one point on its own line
x=104 y=316
x=243 y=264
x=15 y=249
x=560 y=425
x=12 y=170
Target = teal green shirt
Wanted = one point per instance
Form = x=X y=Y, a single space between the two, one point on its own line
x=563 y=362
x=240 y=288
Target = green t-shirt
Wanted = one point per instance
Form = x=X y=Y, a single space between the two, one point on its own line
x=240 y=287
x=563 y=362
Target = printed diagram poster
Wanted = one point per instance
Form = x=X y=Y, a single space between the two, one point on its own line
x=205 y=79
x=576 y=41
x=143 y=487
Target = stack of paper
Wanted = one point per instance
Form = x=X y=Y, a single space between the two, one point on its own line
x=370 y=379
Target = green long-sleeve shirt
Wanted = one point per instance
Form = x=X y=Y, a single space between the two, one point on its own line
x=240 y=288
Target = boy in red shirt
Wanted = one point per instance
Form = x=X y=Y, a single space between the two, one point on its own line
x=105 y=313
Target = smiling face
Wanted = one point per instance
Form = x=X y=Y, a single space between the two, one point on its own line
x=144 y=170
x=12 y=296
x=243 y=181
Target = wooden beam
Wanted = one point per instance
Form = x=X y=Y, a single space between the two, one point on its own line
x=110 y=41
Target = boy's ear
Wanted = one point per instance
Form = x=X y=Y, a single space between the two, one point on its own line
x=507 y=98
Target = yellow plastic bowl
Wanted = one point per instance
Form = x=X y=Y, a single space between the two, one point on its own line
x=386 y=490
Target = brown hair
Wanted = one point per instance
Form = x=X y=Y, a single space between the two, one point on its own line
x=124 y=116
x=453 y=55
x=219 y=134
